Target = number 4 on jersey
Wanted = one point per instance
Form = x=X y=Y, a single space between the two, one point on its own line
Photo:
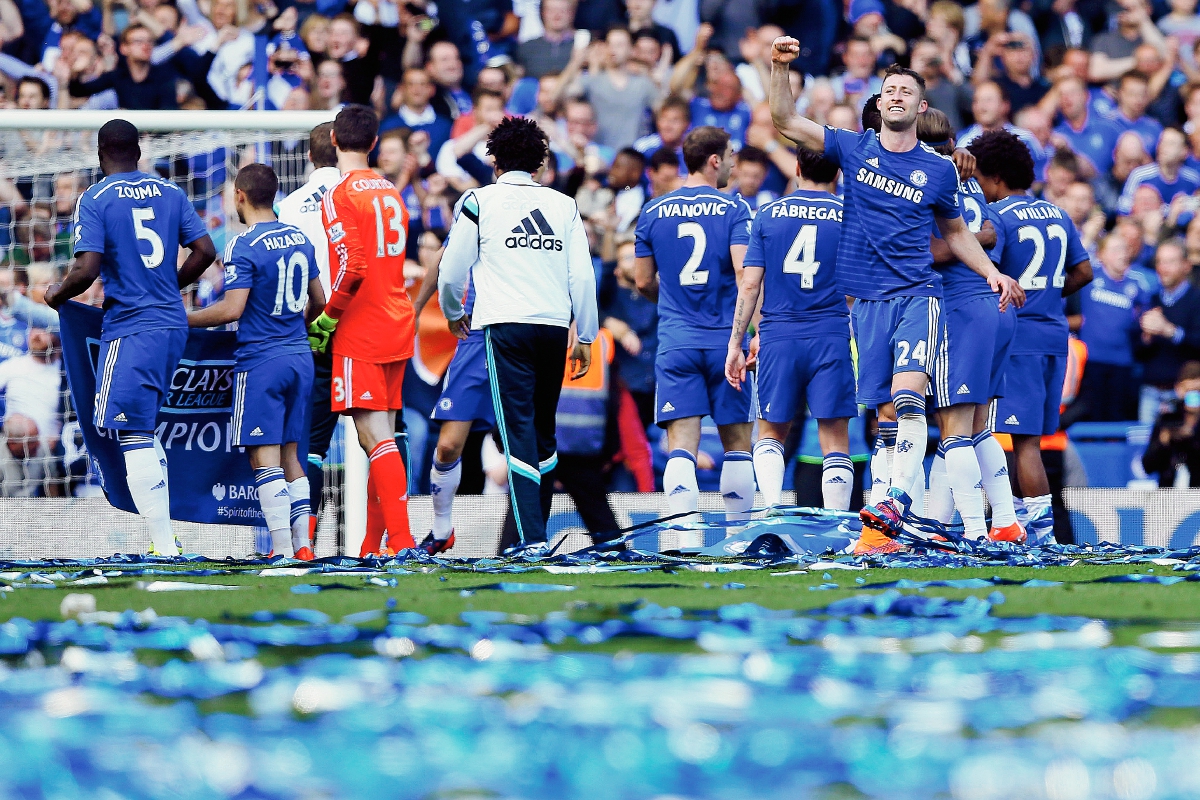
x=799 y=258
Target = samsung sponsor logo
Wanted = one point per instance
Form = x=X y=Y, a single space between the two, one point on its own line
x=889 y=185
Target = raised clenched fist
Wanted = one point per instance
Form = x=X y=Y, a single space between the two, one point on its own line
x=784 y=50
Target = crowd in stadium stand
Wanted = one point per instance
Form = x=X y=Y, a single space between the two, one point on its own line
x=1105 y=94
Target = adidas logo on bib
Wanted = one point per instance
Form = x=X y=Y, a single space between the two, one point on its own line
x=1012 y=420
x=534 y=232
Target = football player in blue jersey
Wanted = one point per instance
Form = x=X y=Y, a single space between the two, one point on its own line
x=689 y=246
x=896 y=188
x=1043 y=251
x=272 y=290
x=969 y=372
x=128 y=230
x=804 y=335
x=466 y=400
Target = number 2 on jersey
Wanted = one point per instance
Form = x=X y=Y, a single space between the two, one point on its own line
x=689 y=275
x=140 y=217
x=287 y=280
x=395 y=223
x=1030 y=279
x=799 y=258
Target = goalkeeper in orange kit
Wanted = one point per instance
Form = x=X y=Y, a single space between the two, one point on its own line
x=369 y=319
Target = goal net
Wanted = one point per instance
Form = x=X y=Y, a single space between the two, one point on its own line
x=51 y=503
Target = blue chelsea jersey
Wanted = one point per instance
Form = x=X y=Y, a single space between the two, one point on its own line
x=137 y=223
x=959 y=282
x=275 y=262
x=688 y=233
x=891 y=200
x=795 y=239
x=1040 y=243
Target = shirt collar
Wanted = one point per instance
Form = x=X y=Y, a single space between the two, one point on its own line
x=411 y=118
x=518 y=177
x=1170 y=298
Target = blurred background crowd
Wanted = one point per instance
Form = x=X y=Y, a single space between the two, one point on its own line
x=1106 y=94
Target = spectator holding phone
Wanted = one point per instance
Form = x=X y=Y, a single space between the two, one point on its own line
x=1173 y=442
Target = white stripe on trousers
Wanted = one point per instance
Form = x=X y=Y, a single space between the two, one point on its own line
x=239 y=405
x=110 y=367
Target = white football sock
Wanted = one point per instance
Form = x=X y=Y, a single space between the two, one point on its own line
x=769 y=469
x=941 y=501
x=837 y=481
x=881 y=462
x=737 y=485
x=301 y=510
x=912 y=432
x=148 y=486
x=916 y=491
x=443 y=484
x=1035 y=505
x=679 y=482
x=962 y=471
x=276 y=505
x=994 y=467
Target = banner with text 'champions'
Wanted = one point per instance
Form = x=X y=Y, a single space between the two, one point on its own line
x=210 y=480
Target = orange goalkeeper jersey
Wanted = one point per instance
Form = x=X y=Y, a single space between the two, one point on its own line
x=367 y=225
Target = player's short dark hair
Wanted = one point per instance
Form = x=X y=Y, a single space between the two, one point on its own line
x=678 y=103
x=872 y=117
x=34 y=80
x=259 y=183
x=630 y=152
x=321 y=151
x=701 y=144
x=999 y=154
x=750 y=154
x=663 y=156
x=934 y=129
x=117 y=140
x=355 y=128
x=518 y=144
x=896 y=70
x=815 y=167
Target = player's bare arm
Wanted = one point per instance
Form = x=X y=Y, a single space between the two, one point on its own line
x=82 y=275
x=941 y=251
x=222 y=312
x=203 y=254
x=316 y=300
x=645 y=277
x=433 y=267
x=798 y=128
x=749 y=294
x=1078 y=276
x=964 y=162
x=962 y=244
